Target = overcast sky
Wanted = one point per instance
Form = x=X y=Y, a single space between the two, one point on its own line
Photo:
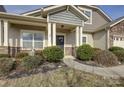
x=114 y=11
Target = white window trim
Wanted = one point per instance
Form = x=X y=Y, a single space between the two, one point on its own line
x=86 y=39
x=85 y=9
x=31 y=31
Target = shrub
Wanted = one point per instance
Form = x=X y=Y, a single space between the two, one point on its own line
x=115 y=48
x=84 y=52
x=120 y=55
x=21 y=55
x=4 y=55
x=40 y=54
x=30 y=62
x=53 y=54
x=96 y=51
x=106 y=58
x=6 y=65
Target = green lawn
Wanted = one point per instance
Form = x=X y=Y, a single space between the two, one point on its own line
x=62 y=77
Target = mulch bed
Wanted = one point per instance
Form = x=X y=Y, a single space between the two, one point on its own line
x=45 y=67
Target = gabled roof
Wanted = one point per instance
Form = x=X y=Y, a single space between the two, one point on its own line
x=111 y=24
x=91 y=6
x=2 y=9
x=97 y=8
x=31 y=11
x=57 y=8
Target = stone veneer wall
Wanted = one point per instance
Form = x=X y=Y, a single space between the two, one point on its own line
x=116 y=30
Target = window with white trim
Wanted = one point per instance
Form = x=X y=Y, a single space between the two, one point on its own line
x=89 y=14
x=84 y=39
x=32 y=40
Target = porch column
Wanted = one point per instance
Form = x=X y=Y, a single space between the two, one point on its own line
x=5 y=33
x=108 y=30
x=54 y=34
x=77 y=36
x=49 y=34
x=81 y=35
x=0 y=33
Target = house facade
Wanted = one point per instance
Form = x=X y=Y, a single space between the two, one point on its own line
x=66 y=26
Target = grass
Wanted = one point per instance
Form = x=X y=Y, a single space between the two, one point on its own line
x=62 y=77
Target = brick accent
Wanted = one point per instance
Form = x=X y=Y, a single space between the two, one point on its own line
x=118 y=29
x=13 y=51
x=70 y=51
x=4 y=50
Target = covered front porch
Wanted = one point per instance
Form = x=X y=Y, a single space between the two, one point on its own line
x=63 y=28
x=65 y=36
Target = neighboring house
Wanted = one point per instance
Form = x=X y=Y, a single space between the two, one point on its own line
x=67 y=26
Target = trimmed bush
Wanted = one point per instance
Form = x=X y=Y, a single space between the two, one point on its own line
x=30 y=62
x=85 y=52
x=4 y=55
x=6 y=65
x=106 y=58
x=21 y=55
x=115 y=48
x=120 y=55
x=53 y=54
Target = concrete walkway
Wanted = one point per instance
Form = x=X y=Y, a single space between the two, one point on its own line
x=109 y=72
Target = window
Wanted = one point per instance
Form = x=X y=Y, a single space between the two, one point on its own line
x=89 y=14
x=84 y=39
x=32 y=40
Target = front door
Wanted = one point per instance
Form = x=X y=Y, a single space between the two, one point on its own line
x=60 y=41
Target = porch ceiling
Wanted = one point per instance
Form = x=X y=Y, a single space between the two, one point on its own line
x=66 y=26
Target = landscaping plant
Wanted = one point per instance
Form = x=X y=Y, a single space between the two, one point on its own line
x=31 y=62
x=6 y=65
x=96 y=51
x=120 y=55
x=115 y=48
x=106 y=58
x=4 y=55
x=85 y=52
x=53 y=54
x=21 y=55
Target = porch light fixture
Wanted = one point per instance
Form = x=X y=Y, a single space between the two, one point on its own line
x=62 y=26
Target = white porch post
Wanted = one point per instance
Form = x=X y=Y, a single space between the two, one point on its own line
x=5 y=33
x=49 y=34
x=0 y=33
x=54 y=34
x=77 y=36
x=81 y=35
x=108 y=31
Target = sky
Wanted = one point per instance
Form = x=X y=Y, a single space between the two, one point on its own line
x=114 y=11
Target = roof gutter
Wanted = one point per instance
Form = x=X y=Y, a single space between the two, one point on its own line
x=21 y=17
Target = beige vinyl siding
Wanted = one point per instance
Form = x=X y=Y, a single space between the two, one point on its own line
x=66 y=17
x=70 y=39
x=100 y=40
x=14 y=37
x=97 y=21
x=15 y=33
x=89 y=39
